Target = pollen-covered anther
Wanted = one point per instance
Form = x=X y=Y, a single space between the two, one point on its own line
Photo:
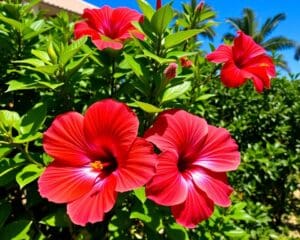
x=97 y=165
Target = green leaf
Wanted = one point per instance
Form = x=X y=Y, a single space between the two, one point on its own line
x=147 y=107
x=141 y=216
x=162 y=18
x=140 y=194
x=56 y=219
x=236 y=233
x=177 y=232
x=71 y=50
x=146 y=9
x=21 y=84
x=16 y=230
x=136 y=68
x=13 y=23
x=179 y=37
x=28 y=174
x=205 y=97
x=31 y=61
x=4 y=151
x=33 y=119
x=42 y=55
x=27 y=138
x=157 y=58
x=5 y=209
x=9 y=120
x=176 y=91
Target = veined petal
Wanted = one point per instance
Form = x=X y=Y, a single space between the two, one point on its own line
x=99 y=19
x=61 y=184
x=109 y=122
x=138 y=168
x=196 y=208
x=82 y=29
x=222 y=54
x=245 y=48
x=64 y=140
x=168 y=187
x=232 y=76
x=214 y=185
x=92 y=206
x=103 y=44
x=178 y=130
x=121 y=20
x=219 y=152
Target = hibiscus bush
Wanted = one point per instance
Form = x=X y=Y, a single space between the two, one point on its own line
x=119 y=125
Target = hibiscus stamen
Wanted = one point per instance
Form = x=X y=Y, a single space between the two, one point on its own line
x=97 y=165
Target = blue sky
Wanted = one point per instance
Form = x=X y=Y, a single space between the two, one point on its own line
x=233 y=8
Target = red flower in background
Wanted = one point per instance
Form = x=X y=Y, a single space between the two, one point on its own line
x=244 y=60
x=108 y=27
x=185 y=62
x=170 y=71
x=95 y=156
x=191 y=171
x=158 y=4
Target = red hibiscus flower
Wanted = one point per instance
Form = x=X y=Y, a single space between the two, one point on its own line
x=108 y=27
x=244 y=60
x=191 y=170
x=170 y=71
x=185 y=62
x=95 y=156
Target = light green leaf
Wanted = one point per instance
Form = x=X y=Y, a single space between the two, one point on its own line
x=56 y=219
x=28 y=174
x=157 y=58
x=141 y=216
x=162 y=18
x=27 y=138
x=4 y=151
x=179 y=37
x=16 y=230
x=71 y=50
x=42 y=55
x=176 y=91
x=146 y=9
x=31 y=61
x=136 y=68
x=9 y=120
x=205 y=97
x=236 y=233
x=33 y=119
x=140 y=194
x=147 y=107
x=13 y=23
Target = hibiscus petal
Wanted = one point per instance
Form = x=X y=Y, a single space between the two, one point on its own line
x=64 y=184
x=168 y=187
x=196 y=208
x=121 y=21
x=232 y=76
x=214 y=185
x=92 y=206
x=64 y=140
x=220 y=152
x=222 y=54
x=82 y=29
x=178 y=130
x=138 y=168
x=103 y=44
x=244 y=48
x=99 y=19
x=110 y=124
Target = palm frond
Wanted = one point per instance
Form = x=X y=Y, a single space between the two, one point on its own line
x=278 y=43
x=270 y=24
x=250 y=23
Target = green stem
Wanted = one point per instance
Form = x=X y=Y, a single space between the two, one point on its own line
x=112 y=79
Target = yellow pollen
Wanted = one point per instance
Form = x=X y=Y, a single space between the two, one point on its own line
x=264 y=65
x=97 y=165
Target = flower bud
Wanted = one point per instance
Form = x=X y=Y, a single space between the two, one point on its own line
x=185 y=62
x=158 y=4
x=170 y=71
x=200 y=6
